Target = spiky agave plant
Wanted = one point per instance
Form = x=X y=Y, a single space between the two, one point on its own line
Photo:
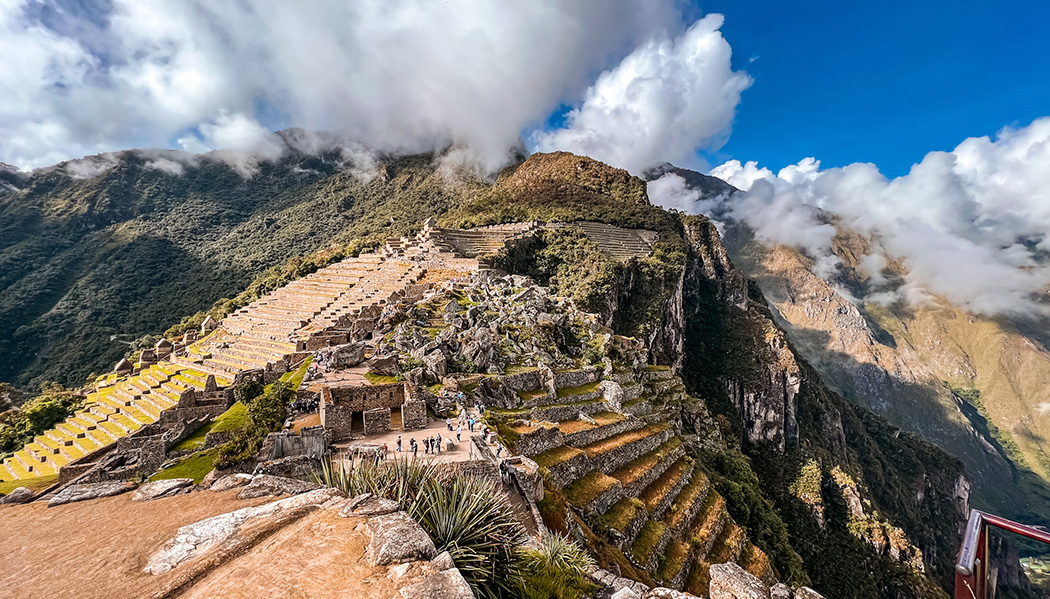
x=556 y=569
x=471 y=519
x=400 y=480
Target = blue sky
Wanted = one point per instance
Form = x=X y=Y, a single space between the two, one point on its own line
x=840 y=82
x=881 y=82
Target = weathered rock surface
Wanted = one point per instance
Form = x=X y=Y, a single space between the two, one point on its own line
x=666 y=593
x=75 y=493
x=448 y=584
x=160 y=488
x=730 y=581
x=351 y=354
x=397 y=538
x=194 y=539
x=231 y=481
x=442 y=562
x=780 y=591
x=369 y=505
x=19 y=495
x=807 y=593
x=266 y=485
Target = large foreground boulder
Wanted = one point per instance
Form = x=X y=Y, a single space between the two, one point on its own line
x=74 y=493
x=447 y=584
x=221 y=531
x=397 y=538
x=369 y=505
x=351 y=354
x=730 y=581
x=19 y=495
x=266 y=485
x=230 y=481
x=160 y=488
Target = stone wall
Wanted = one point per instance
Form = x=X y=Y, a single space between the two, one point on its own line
x=317 y=342
x=334 y=416
x=377 y=421
x=524 y=381
x=539 y=440
x=311 y=442
x=369 y=397
x=575 y=378
x=414 y=415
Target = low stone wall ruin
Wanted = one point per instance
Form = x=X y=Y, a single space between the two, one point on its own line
x=377 y=421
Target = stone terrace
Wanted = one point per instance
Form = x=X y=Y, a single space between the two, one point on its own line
x=109 y=413
x=627 y=471
x=615 y=242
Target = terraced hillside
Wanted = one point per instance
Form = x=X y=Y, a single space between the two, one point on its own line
x=266 y=335
x=625 y=470
x=119 y=406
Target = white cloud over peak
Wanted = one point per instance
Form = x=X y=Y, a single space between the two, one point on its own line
x=971 y=225
x=400 y=77
x=666 y=100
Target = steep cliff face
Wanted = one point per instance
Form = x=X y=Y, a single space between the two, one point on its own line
x=839 y=476
x=971 y=385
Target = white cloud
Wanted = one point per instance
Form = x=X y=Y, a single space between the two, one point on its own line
x=963 y=223
x=398 y=77
x=664 y=101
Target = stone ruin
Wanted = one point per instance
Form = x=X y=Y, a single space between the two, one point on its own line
x=373 y=404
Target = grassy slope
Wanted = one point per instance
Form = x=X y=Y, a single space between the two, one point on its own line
x=134 y=250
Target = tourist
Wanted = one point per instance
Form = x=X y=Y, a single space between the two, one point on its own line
x=471 y=423
x=439 y=442
x=448 y=423
x=399 y=444
x=459 y=431
x=385 y=450
x=426 y=445
x=414 y=446
x=499 y=450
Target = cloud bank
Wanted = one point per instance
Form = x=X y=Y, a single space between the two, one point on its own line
x=971 y=225
x=95 y=77
x=666 y=100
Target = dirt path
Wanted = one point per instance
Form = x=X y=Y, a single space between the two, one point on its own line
x=95 y=549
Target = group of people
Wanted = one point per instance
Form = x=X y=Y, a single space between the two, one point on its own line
x=305 y=405
x=431 y=445
x=463 y=420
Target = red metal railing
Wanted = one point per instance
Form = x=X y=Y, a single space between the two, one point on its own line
x=971 y=571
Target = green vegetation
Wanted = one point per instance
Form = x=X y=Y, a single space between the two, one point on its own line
x=648 y=538
x=467 y=516
x=266 y=413
x=581 y=390
x=233 y=419
x=53 y=405
x=89 y=266
x=33 y=484
x=294 y=378
x=380 y=379
x=557 y=569
x=195 y=466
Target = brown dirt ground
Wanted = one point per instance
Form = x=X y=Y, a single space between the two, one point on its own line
x=320 y=557
x=95 y=548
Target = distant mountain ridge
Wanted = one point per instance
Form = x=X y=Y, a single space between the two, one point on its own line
x=971 y=384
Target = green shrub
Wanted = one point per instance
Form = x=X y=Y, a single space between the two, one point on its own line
x=54 y=404
x=467 y=516
x=266 y=413
x=557 y=569
x=247 y=390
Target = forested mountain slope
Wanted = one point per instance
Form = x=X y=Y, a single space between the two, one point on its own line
x=88 y=265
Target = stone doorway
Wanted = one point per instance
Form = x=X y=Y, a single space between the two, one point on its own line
x=396 y=422
x=357 y=424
